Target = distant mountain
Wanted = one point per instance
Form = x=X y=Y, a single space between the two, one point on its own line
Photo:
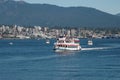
x=118 y=14
x=22 y=13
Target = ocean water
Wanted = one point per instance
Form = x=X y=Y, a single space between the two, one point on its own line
x=36 y=60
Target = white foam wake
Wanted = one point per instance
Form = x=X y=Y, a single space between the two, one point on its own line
x=96 y=48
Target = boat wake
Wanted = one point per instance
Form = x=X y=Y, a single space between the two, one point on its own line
x=98 y=48
x=102 y=48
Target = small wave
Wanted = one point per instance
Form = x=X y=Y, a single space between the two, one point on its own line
x=44 y=57
x=30 y=59
x=109 y=56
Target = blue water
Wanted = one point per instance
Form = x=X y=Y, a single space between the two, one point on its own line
x=35 y=60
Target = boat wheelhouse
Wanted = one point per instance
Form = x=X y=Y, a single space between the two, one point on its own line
x=90 y=42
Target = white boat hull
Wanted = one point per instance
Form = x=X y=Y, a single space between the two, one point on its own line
x=66 y=48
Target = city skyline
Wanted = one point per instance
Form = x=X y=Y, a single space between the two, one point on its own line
x=109 y=6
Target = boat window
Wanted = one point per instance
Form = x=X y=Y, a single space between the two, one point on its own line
x=72 y=46
x=61 y=41
x=68 y=41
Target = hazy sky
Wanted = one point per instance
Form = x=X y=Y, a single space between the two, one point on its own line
x=110 y=6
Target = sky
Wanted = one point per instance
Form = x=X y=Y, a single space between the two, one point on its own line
x=109 y=6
